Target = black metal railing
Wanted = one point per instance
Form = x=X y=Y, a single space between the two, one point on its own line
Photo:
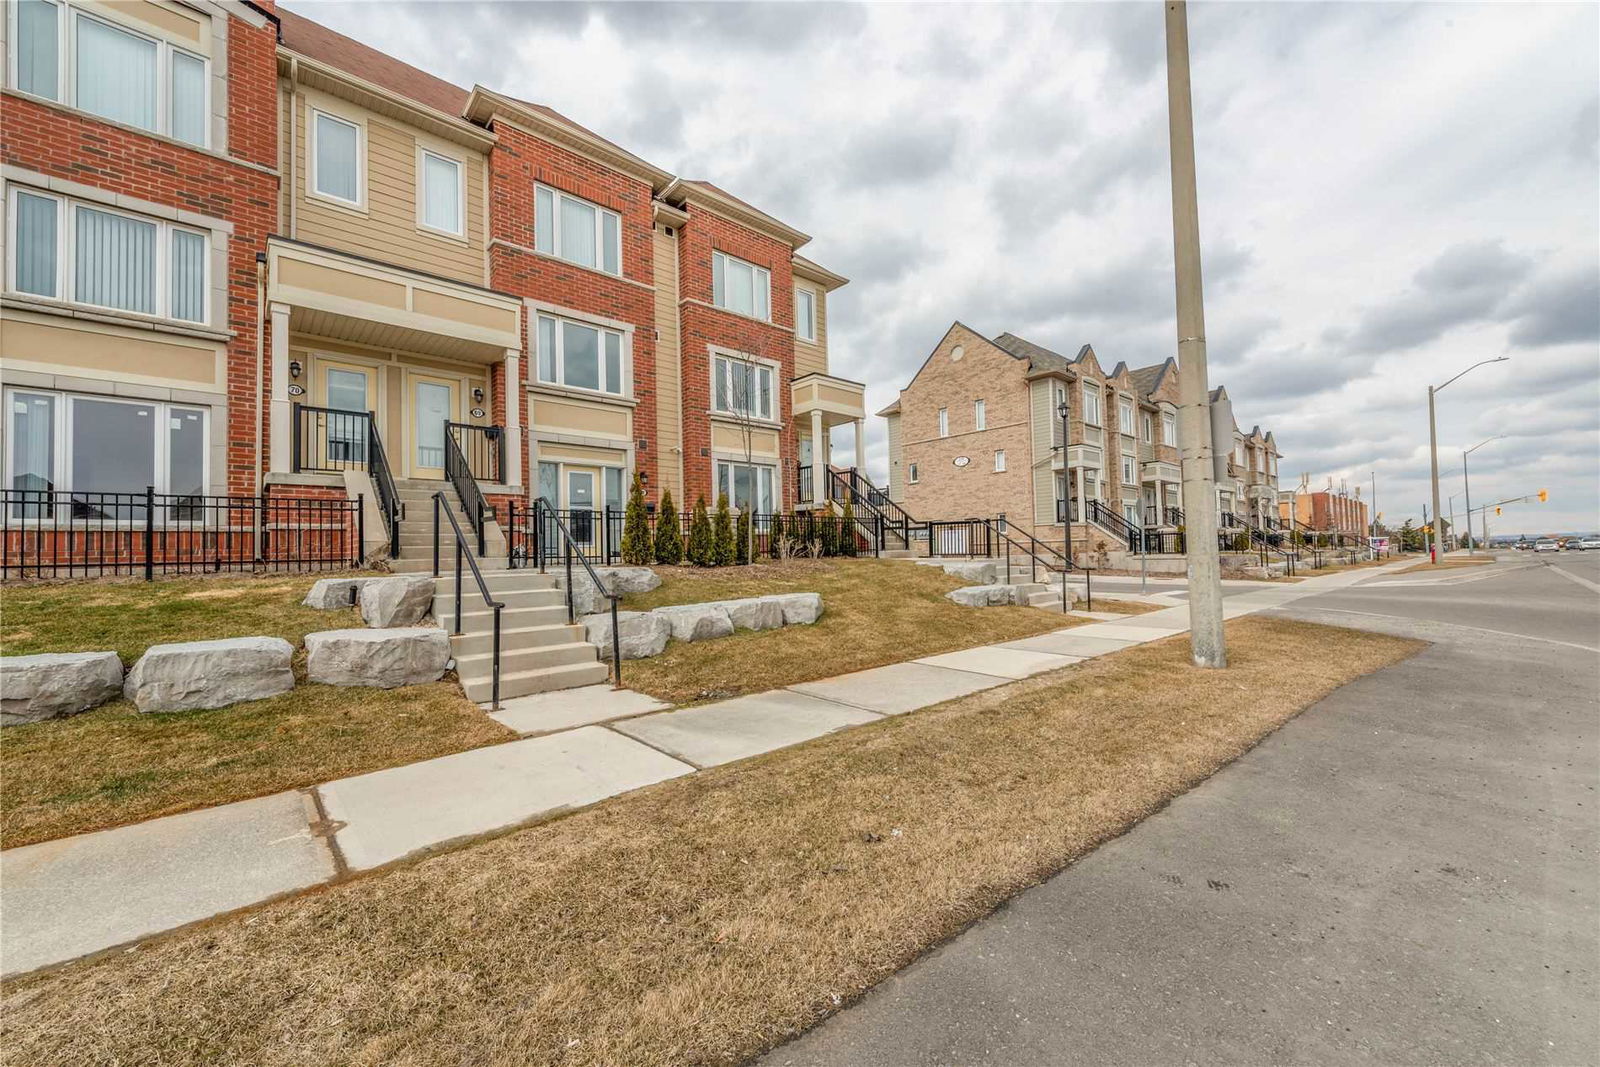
x=327 y=440
x=850 y=485
x=1109 y=519
x=383 y=484
x=46 y=533
x=1067 y=510
x=459 y=474
x=596 y=536
x=1043 y=555
x=545 y=516
x=463 y=554
x=596 y=533
x=960 y=537
x=803 y=490
x=483 y=448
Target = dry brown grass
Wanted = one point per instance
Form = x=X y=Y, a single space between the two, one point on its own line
x=1448 y=563
x=1122 y=607
x=113 y=765
x=874 y=612
x=704 y=919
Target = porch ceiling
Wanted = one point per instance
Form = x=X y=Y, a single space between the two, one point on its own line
x=840 y=400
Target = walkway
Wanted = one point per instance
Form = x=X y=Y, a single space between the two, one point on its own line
x=68 y=898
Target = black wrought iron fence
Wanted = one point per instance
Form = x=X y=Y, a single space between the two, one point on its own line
x=596 y=534
x=54 y=534
x=482 y=449
x=329 y=440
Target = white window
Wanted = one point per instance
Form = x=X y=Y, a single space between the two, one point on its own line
x=1169 y=429
x=65 y=54
x=1000 y=460
x=944 y=422
x=1091 y=403
x=978 y=419
x=741 y=387
x=581 y=356
x=68 y=250
x=913 y=477
x=805 y=314
x=93 y=444
x=336 y=158
x=740 y=286
x=577 y=231
x=748 y=486
x=1125 y=416
x=1149 y=430
x=441 y=193
x=1130 y=474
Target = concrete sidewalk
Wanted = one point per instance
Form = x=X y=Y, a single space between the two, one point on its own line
x=68 y=898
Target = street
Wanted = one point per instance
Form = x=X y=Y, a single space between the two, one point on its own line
x=1404 y=873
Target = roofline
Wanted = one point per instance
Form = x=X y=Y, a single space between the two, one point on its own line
x=450 y=125
x=690 y=190
x=816 y=272
x=483 y=104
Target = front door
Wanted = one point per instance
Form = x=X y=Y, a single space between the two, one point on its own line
x=334 y=440
x=580 y=505
x=433 y=403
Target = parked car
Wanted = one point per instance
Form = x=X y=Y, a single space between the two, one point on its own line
x=1545 y=544
x=1589 y=543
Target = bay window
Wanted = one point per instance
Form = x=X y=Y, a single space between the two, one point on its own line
x=748 y=486
x=577 y=231
x=739 y=387
x=741 y=287
x=441 y=192
x=109 y=259
x=116 y=72
x=580 y=356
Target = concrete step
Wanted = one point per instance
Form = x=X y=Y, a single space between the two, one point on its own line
x=546 y=680
x=421 y=562
x=473 y=642
x=475 y=618
x=477 y=665
x=472 y=599
x=508 y=580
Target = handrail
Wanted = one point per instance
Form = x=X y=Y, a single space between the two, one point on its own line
x=876 y=499
x=460 y=476
x=483 y=586
x=1117 y=524
x=1063 y=565
x=383 y=481
x=486 y=456
x=540 y=506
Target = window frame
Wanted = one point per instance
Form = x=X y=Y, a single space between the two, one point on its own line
x=1130 y=470
x=760 y=273
x=773 y=474
x=1091 y=391
x=423 y=152
x=1169 y=421
x=809 y=319
x=358 y=204
x=728 y=358
x=625 y=353
x=67 y=250
x=980 y=415
x=944 y=422
x=999 y=461
x=1125 y=410
x=554 y=251
x=911 y=474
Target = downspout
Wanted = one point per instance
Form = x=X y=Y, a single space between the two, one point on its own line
x=261 y=370
x=294 y=144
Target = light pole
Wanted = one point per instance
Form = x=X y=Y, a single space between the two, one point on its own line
x=1466 y=481
x=1433 y=439
x=1064 y=411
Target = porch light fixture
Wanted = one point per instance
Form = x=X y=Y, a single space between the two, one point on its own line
x=294 y=368
x=477 y=395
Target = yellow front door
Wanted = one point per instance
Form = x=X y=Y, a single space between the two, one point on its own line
x=334 y=440
x=431 y=401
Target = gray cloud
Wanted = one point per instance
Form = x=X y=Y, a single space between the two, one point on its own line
x=1563 y=310
x=895 y=153
x=1465 y=283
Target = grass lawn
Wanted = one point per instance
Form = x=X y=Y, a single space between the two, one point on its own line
x=705 y=919
x=1447 y=563
x=873 y=612
x=113 y=765
x=128 y=616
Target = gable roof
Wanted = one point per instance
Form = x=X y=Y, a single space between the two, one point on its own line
x=315 y=41
x=1148 y=379
x=1036 y=356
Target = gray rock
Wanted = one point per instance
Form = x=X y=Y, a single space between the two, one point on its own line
x=33 y=688
x=399 y=601
x=977 y=571
x=696 y=622
x=210 y=674
x=586 y=599
x=753 y=613
x=640 y=634
x=331 y=594
x=625 y=580
x=383 y=658
x=799 y=609
x=983 y=596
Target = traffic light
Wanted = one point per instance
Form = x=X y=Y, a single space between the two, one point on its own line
x=1497 y=509
x=1544 y=495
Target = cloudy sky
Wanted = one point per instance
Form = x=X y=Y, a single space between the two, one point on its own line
x=1388 y=193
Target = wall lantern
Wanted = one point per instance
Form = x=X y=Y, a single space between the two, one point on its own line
x=295 y=368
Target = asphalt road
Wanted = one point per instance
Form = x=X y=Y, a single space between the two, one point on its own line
x=1406 y=873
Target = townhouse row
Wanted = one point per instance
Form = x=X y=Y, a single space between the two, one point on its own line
x=246 y=254
x=979 y=431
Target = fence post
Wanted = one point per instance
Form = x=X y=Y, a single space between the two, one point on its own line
x=149 y=533
x=361 y=529
x=571 y=611
x=877 y=551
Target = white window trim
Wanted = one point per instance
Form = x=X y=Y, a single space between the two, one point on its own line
x=1125 y=405
x=741 y=357
x=600 y=211
x=980 y=415
x=65 y=414
x=604 y=327
x=1092 y=389
x=944 y=422
x=805 y=326
x=763 y=275
x=66 y=93
x=1147 y=427
x=777 y=485
x=911 y=474
x=1169 y=421
x=422 y=192
x=66 y=251
x=358 y=204
x=1000 y=461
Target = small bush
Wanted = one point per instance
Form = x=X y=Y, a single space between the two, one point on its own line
x=776 y=548
x=637 y=551
x=830 y=535
x=669 y=537
x=722 y=534
x=741 y=536
x=847 y=531
x=702 y=550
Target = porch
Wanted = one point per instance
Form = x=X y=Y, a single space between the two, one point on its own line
x=821 y=403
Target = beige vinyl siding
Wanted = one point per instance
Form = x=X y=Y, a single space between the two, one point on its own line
x=812 y=358
x=1043 y=424
x=387 y=229
x=897 y=468
x=669 y=369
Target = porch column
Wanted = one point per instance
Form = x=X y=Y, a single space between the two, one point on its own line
x=1083 y=501
x=280 y=410
x=513 y=387
x=819 y=459
x=861 y=445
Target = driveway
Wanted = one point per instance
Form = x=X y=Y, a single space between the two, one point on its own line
x=1406 y=873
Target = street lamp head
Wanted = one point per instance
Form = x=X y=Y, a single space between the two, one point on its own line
x=1063 y=410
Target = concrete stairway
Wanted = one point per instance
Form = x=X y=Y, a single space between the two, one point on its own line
x=416 y=531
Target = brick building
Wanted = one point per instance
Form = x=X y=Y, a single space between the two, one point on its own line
x=1334 y=512
x=252 y=255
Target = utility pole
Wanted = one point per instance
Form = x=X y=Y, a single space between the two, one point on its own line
x=1433 y=437
x=1194 y=431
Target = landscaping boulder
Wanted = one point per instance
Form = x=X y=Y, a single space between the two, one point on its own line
x=33 y=688
x=331 y=594
x=983 y=596
x=977 y=571
x=799 y=609
x=383 y=658
x=640 y=634
x=696 y=622
x=625 y=580
x=400 y=601
x=210 y=674
x=753 y=613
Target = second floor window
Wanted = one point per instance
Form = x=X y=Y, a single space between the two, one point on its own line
x=740 y=286
x=65 y=250
x=1091 y=403
x=978 y=419
x=1125 y=417
x=577 y=231
x=1169 y=430
x=1130 y=476
x=441 y=193
x=580 y=356
x=944 y=422
x=335 y=158
x=1000 y=460
x=740 y=387
x=1149 y=430
x=110 y=70
x=913 y=478
x=805 y=314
